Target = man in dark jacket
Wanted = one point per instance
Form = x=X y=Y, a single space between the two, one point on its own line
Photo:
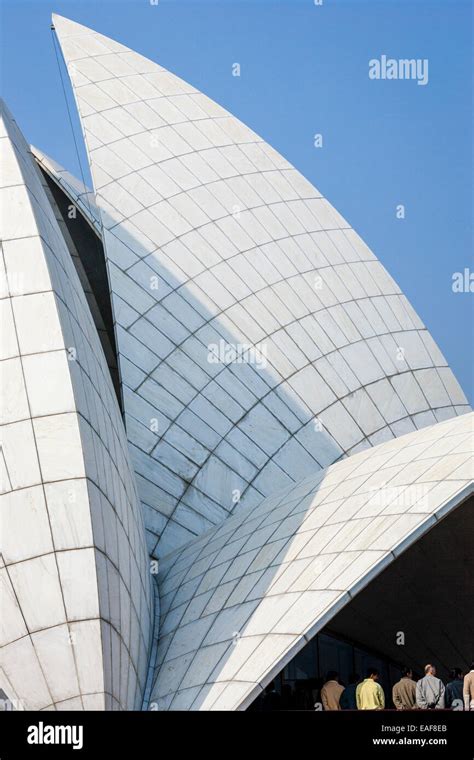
x=453 y=698
x=348 y=696
x=271 y=700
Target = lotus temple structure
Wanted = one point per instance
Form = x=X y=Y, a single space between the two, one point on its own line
x=231 y=451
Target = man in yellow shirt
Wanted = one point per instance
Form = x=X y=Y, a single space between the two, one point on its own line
x=369 y=693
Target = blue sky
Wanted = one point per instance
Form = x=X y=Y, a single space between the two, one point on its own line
x=304 y=70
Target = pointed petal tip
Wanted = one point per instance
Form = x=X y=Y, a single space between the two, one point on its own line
x=67 y=25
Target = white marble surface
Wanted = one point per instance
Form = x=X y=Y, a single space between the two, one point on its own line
x=240 y=601
x=70 y=511
x=243 y=250
x=214 y=242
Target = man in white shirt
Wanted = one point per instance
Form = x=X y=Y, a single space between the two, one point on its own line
x=430 y=691
x=468 y=689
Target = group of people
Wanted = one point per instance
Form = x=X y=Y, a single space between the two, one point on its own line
x=429 y=693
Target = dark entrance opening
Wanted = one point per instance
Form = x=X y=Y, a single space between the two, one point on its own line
x=419 y=610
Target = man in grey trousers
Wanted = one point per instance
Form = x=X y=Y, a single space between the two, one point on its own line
x=430 y=691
